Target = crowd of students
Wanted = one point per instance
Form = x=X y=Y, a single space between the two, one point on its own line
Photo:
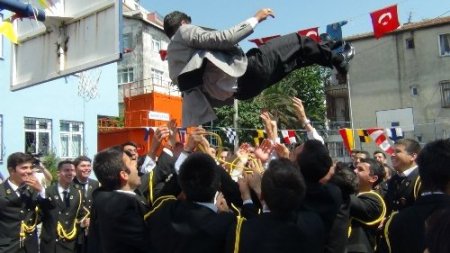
x=192 y=197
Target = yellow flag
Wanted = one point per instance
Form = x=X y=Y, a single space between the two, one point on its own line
x=43 y=3
x=259 y=137
x=7 y=29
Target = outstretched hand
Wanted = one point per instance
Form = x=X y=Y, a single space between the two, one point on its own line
x=262 y=14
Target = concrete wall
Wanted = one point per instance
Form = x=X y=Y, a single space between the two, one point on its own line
x=384 y=71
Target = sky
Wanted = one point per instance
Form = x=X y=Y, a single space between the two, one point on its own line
x=294 y=15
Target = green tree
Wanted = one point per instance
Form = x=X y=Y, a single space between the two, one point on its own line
x=305 y=83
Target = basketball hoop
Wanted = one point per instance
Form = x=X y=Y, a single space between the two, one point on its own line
x=88 y=83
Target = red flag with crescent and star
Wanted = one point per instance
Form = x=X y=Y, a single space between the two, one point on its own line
x=313 y=33
x=384 y=20
x=261 y=41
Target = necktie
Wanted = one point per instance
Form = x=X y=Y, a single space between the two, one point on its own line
x=66 y=198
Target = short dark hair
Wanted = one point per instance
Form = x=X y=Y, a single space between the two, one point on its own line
x=18 y=158
x=376 y=169
x=433 y=162
x=314 y=160
x=172 y=22
x=345 y=178
x=363 y=152
x=63 y=162
x=129 y=143
x=379 y=152
x=282 y=186
x=411 y=146
x=107 y=167
x=80 y=159
x=199 y=178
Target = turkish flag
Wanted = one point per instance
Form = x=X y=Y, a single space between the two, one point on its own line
x=384 y=20
x=163 y=54
x=262 y=41
x=313 y=33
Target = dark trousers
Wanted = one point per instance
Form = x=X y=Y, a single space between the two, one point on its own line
x=277 y=58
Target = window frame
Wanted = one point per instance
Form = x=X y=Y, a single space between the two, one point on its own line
x=37 y=131
x=157 y=75
x=446 y=53
x=445 y=90
x=71 y=133
x=128 y=71
x=158 y=47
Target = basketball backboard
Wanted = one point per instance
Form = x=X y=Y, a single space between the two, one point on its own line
x=77 y=35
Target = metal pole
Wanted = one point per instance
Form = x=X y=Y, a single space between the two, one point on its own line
x=235 y=124
x=350 y=108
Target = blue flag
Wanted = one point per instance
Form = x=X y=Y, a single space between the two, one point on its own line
x=335 y=31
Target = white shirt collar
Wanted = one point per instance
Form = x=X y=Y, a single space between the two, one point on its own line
x=408 y=171
x=12 y=185
x=208 y=205
x=126 y=192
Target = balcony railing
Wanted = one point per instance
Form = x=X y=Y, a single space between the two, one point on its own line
x=148 y=86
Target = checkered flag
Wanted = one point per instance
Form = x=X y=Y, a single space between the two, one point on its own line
x=230 y=133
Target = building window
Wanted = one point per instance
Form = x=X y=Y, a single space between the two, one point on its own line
x=125 y=75
x=444 y=44
x=445 y=93
x=1 y=138
x=71 y=138
x=38 y=133
x=156 y=45
x=157 y=77
x=336 y=149
x=410 y=43
x=127 y=41
x=414 y=91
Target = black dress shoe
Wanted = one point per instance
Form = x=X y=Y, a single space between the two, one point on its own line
x=344 y=58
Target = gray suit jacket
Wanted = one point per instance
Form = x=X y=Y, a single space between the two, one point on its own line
x=187 y=51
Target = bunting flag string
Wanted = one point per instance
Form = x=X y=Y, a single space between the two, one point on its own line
x=335 y=29
x=380 y=139
x=288 y=136
x=384 y=21
x=347 y=138
x=313 y=33
x=260 y=136
x=363 y=135
x=394 y=133
x=230 y=133
x=261 y=41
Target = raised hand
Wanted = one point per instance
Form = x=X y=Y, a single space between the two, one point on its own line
x=282 y=150
x=262 y=14
x=263 y=151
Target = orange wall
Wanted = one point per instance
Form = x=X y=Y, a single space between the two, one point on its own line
x=136 y=119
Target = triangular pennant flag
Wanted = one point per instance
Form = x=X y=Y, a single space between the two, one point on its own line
x=163 y=54
x=261 y=41
x=380 y=139
x=347 y=138
x=335 y=29
x=230 y=133
x=384 y=20
x=7 y=29
x=288 y=136
x=182 y=134
x=363 y=135
x=394 y=133
x=259 y=137
x=313 y=33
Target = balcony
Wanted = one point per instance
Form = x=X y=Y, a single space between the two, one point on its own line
x=150 y=85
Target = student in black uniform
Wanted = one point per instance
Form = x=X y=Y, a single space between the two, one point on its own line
x=62 y=212
x=280 y=228
x=194 y=224
x=367 y=209
x=117 y=218
x=19 y=197
x=406 y=230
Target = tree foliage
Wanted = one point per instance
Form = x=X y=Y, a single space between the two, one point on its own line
x=305 y=83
